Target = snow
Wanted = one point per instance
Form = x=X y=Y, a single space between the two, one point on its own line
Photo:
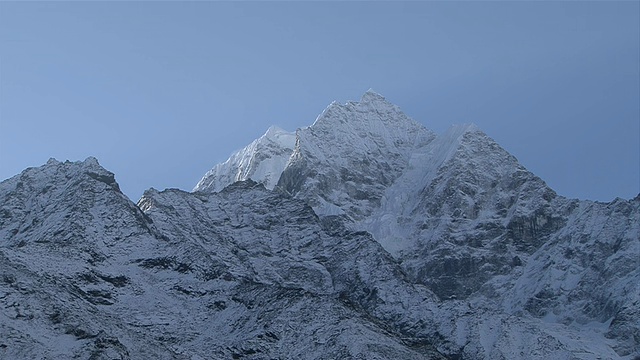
x=263 y=161
x=465 y=254
x=386 y=224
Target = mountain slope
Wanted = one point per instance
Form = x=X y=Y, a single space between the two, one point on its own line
x=198 y=275
x=465 y=219
x=243 y=273
x=68 y=239
x=352 y=152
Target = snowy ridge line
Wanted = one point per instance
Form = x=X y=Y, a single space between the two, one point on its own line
x=263 y=160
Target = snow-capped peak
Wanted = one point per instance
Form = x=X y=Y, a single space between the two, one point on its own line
x=262 y=161
x=52 y=161
x=91 y=161
x=283 y=137
x=372 y=96
x=371 y=113
x=371 y=126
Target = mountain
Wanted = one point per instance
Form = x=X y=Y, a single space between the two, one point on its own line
x=244 y=273
x=364 y=235
x=263 y=160
x=465 y=219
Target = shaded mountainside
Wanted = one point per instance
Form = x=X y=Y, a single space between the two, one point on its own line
x=364 y=235
x=198 y=275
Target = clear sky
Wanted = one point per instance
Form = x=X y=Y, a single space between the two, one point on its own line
x=160 y=92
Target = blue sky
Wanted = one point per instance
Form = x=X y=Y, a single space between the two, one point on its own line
x=159 y=92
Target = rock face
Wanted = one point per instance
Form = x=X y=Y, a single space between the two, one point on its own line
x=364 y=235
x=344 y=161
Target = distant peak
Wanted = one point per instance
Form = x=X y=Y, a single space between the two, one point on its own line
x=92 y=161
x=370 y=96
x=472 y=127
x=283 y=137
x=52 y=161
x=372 y=106
x=88 y=162
x=274 y=130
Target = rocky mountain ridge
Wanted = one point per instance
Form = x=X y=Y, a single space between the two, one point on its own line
x=364 y=235
x=463 y=217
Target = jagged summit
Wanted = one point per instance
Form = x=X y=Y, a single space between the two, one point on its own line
x=364 y=148
x=52 y=161
x=54 y=171
x=346 y=133
x=361 y=158
x=376 y=100
x=372 y=106
x=284 y=137
x=373 y=94
x=263 y=160
x=42 y=203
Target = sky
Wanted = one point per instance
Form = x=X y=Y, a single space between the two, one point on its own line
x=160 y=92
